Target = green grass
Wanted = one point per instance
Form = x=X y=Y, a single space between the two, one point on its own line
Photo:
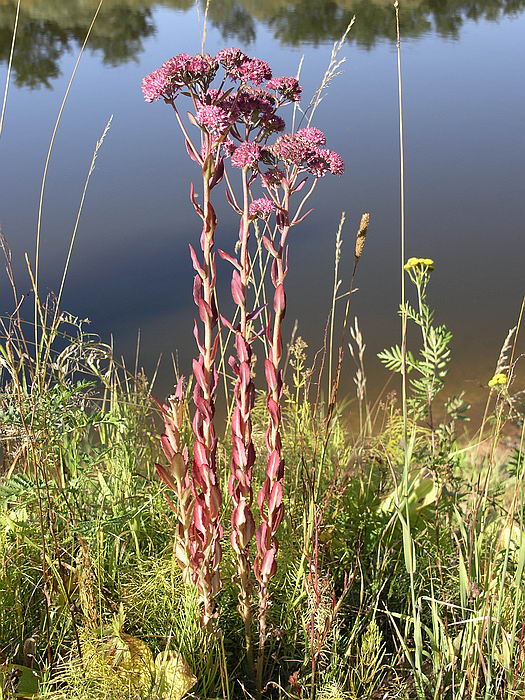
x=400 y=569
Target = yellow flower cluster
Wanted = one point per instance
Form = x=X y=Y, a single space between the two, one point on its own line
x=498 y=379
x=419 y=262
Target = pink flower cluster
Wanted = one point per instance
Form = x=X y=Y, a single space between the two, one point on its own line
x=231 y=58
x=289 y=88
x=247 y=155
x=272 y=178
x=262 y=207
x=302 y=150
x=311 y=136
x=216 y=120
x=273 y=124
x=250 y=106
x=177 y=72
x=326 y=161
x=239 y=66
x=157 y=85
x=254 y=70
x=291 y=149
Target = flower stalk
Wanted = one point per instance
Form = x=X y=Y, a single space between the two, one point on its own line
x=243 y=451
x=176 y=476
x=207 y=528
x=270 y=497
x=236 y=123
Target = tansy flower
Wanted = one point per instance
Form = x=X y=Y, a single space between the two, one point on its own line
x=498 y=378
x=419 y=262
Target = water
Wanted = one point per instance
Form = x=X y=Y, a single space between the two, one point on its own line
x=465 y=143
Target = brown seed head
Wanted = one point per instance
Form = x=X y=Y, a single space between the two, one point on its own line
x=361 y=235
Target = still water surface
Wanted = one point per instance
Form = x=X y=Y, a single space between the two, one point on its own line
x=465 y=118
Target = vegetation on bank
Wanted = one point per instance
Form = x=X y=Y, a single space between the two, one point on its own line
x=400 y=568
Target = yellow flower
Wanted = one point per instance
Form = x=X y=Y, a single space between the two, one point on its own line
x=498 y=378
x=423 y=262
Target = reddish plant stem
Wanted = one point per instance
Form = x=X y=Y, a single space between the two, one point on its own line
x=177 y=478
x=243 y=451
x=270 y=497
x=207 y=529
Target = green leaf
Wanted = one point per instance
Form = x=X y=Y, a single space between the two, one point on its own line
x=15 y=486
x=24 y=682
x=393 y=359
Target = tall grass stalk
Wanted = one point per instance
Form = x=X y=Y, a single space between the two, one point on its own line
x=9 y=67
x=402 y=210
x=404 y=513
x=359 y=247
x=335 y=288
x=38 y=315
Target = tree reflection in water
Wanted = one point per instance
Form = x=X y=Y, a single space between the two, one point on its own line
x=48 y=28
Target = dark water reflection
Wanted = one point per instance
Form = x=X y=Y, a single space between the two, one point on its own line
x=465 y=111
x=48 y=28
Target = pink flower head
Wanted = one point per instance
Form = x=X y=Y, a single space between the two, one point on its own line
x=177 y=63
x=287 y=87
x=229 y=147
x=231 y=58
x=318 y=165
x=175 y=68
x=262 y=207
x=176 y=72
x=292 y=149
x=336 y=163
x=312 y=136
x=325 y=161
x=184 y=69
x=255 y=71
x=273 y=124
x=272 y=177
x=155 y=85
x=247 y=155
x=252 y=104
x=214 y=118
x=202 y=65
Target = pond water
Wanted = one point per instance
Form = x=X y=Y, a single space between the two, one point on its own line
x=463 y=67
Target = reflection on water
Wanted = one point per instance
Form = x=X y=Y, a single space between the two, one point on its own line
x=465 y=152
x=48 y=28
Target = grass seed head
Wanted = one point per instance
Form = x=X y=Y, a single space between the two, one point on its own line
x=361 y=235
